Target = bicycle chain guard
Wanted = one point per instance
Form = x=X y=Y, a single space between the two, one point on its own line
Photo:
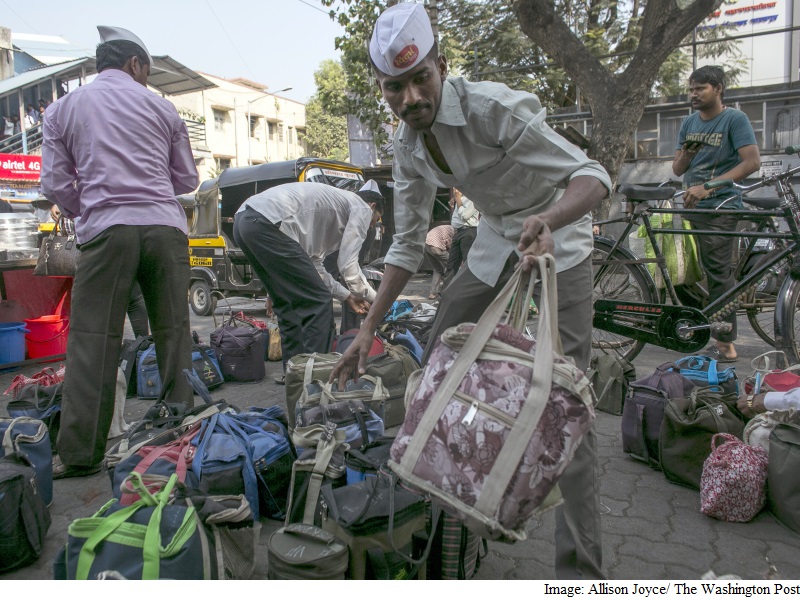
x=655 y=324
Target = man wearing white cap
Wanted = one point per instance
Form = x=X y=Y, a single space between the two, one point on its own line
x=535 y=192
x=286 y=232
x=114 y=157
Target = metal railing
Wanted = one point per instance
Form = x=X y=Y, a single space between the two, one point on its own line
x=14 y=144
x=197 y=131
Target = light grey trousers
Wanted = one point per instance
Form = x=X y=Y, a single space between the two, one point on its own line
x=578 y=536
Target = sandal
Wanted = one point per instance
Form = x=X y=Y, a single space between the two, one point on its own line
x=279 y=379
x=717 y=355
x=62 y=471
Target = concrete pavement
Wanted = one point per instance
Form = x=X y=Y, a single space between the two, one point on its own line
x=652 y=529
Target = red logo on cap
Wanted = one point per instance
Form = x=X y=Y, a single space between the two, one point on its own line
x=406 y=57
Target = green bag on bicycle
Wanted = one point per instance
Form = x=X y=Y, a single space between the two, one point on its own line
x=679 y=250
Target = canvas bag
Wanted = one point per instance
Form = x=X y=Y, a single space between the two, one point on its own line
x=30 y=437
x=783 y=484
x=704 y=371
x=643 y=411
x=274 y=349
x=688 y=427
x=380 y=515
x=24 y=517
x=546 y=404
x=151 y=539
x=240 y=351
x=302 y=370
x=759 y=428
x=734 y=480
x=323 y=557
x=610 y=375
x=680 y=251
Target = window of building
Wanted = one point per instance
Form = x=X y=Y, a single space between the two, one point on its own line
x=255 y=129
x=222 y=164
x=271 y=127
x=219 y=119
x=280 y=132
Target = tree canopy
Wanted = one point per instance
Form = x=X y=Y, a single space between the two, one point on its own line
x=612 y=55
x=326 y=120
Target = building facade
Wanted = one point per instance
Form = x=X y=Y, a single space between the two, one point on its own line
x=244 y=124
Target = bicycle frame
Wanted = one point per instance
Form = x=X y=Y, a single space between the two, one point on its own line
x=663 y=318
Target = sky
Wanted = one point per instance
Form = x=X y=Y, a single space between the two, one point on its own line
x=279 y=43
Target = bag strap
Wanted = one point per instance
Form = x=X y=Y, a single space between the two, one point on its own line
x=152 y=540
x=328 y=396
x=325 y=447
x=11 y=444
x=779 y=357
x=541 y=383
x=436 y=512
x=308 y=373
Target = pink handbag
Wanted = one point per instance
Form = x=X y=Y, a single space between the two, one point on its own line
x=496 y=416
x=733 y=486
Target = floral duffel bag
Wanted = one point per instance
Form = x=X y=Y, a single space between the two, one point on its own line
x=496 y=416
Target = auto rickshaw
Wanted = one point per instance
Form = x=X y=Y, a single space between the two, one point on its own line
x=218 y=266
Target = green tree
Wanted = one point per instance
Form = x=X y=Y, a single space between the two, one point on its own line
x=326 y=120
x=615 y=54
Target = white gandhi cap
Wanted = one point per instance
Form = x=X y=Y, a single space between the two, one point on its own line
x=401 y=39
x=110 y=34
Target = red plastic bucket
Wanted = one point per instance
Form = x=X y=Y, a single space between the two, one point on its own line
x=48 y=336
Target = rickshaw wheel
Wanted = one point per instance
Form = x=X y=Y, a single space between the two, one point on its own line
x=202 y=301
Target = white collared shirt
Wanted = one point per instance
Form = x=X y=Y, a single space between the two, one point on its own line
x=465 y=215
x=322 y=219
x=506 y=158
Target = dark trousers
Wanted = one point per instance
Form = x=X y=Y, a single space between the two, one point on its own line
x=716 y=257
x=578 y=536
x=302 y=303
x=462 y=242
x=137 y=312
x=158 y=258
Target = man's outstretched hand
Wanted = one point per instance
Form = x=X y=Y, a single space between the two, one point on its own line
x=353 y=363
x=357 y=305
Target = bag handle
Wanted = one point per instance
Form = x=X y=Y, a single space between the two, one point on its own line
x=311 y=532
x=10 y=444
x=436 y=512
x=779 y=356
x=528 y=418
x=725 y=439
x=328 y=396
x=109 y=524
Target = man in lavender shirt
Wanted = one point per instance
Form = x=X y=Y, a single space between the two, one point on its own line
x=115 y=155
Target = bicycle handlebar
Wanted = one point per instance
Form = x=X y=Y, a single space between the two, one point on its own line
x=718 y=183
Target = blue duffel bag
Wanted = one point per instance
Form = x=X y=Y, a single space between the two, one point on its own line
x=30 y=437
x=703 y=371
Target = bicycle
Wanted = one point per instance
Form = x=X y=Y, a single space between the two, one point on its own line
x=629 y=310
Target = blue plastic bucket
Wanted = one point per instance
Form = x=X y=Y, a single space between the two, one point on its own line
x=12 y=343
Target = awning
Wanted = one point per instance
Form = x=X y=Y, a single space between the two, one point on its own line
x=173 y=78
x=34 y=76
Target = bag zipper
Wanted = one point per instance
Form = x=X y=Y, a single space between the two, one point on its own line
x=475 y=406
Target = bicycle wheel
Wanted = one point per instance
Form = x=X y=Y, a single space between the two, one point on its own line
x=618 y=281
x=787 y=318
x=760 y=301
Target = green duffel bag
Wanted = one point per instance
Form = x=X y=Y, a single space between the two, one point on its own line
x=687 y=429
x=783 y=484
x=394 y=367
x=300 y=551
x=302 y=370
x=610 y=376
x=150 y=539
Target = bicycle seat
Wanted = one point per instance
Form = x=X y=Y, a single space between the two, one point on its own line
x=763 y=203
x=643 y=193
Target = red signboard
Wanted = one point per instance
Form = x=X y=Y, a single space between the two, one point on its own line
x=20 y=167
